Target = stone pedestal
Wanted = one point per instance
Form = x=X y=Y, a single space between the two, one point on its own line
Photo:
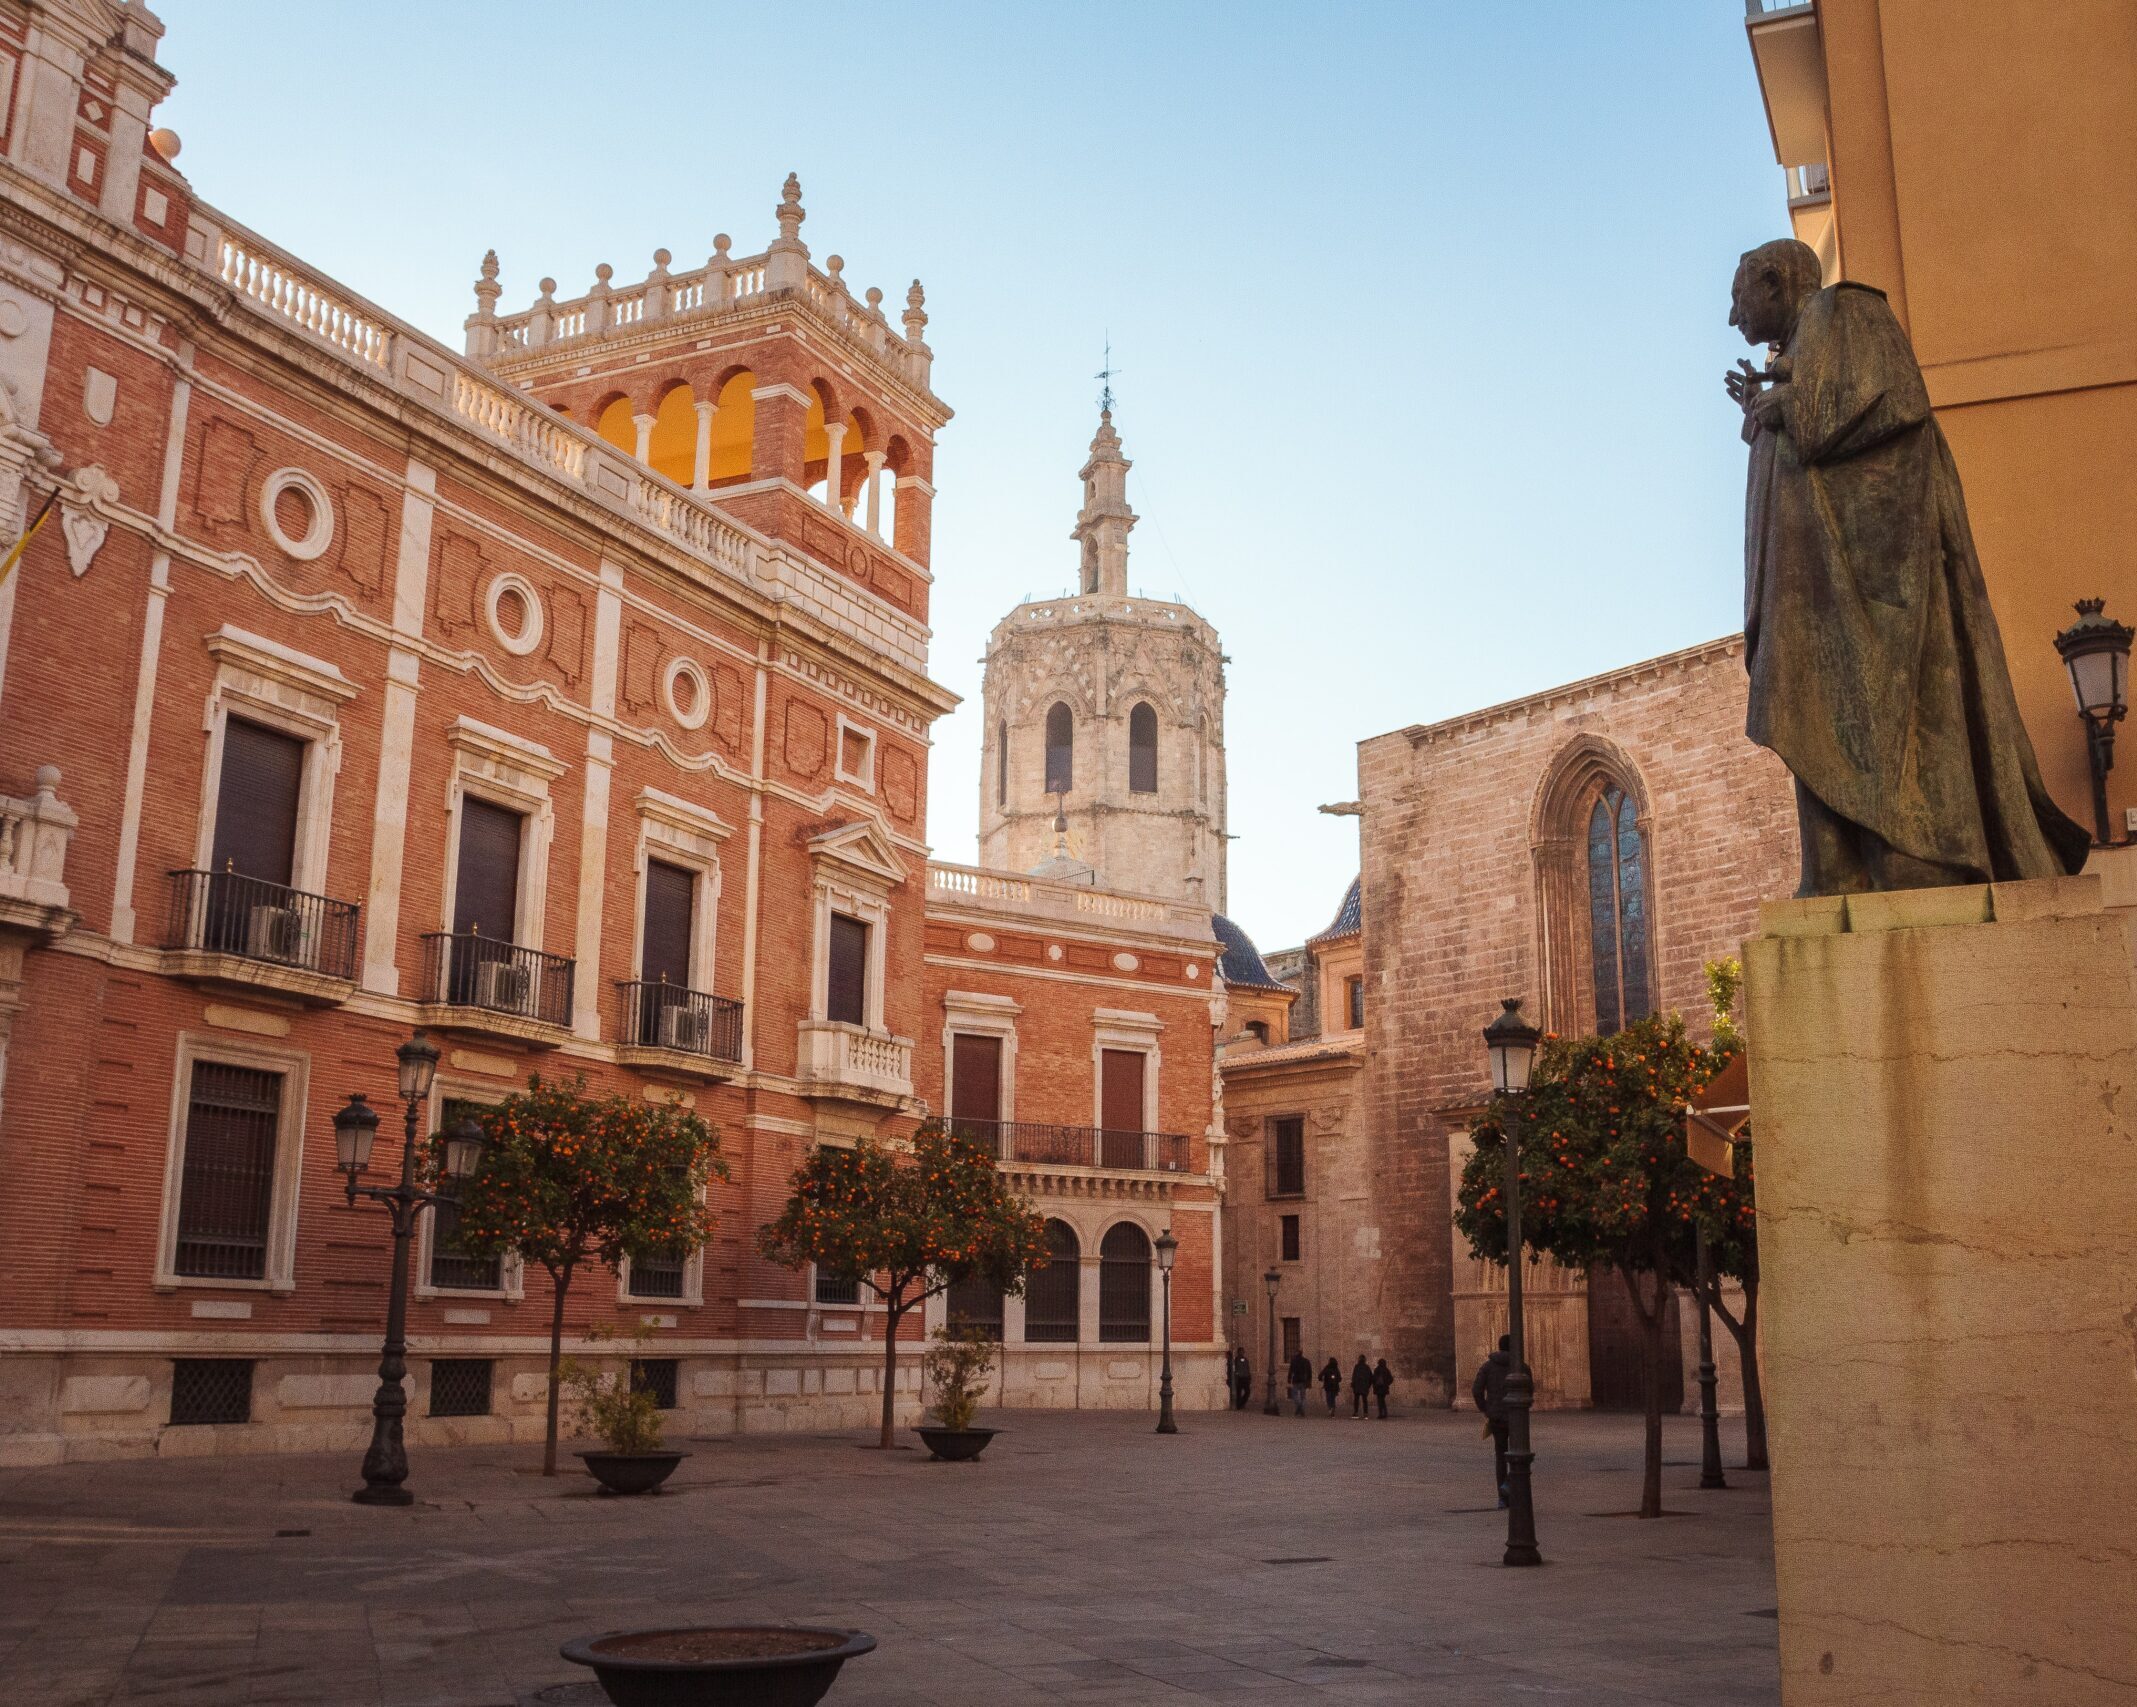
x=1944 y=1104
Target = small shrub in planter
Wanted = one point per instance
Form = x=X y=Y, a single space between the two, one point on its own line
x=956 y=1366
x=624 y=1418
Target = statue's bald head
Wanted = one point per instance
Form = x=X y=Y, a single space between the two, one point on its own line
x=1773 y=282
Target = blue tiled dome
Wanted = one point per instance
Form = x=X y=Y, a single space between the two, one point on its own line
x=1241 y=961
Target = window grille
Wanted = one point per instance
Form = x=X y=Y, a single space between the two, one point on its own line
x=657 y=1277
x=975 y=1302
x=460 y=1386
x=211 y=1390
x=656 y=1375
x=837 y=1288
x=451 y=1269
x=1287 y=1156
x=226 y=1193
x=1617 y=913
x=1291 y=1238
x=1124 y=1285
x=1053 y=1296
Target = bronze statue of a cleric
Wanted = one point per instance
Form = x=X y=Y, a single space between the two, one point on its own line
x=1877 y=673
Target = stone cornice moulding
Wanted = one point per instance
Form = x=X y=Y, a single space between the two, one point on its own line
x=502 y=747
x=1550 y=699
x=782 y=389
x=285 y=664
x=681 y=814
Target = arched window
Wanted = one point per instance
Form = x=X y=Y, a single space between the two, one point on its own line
x=1617 y=912
x=1060 y=748
x=1124 y=1284
x=1001 y=763
x=975 y=1302
x=1053 y=1296
x=1143 y=750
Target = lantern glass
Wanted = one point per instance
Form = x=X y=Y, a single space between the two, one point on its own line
x=463 y=1148
x=2098 y=678
x=1510 y=1042
x=418 y=1059
x=1272 y=1280
x=1167 y=1246
x=354 y=1128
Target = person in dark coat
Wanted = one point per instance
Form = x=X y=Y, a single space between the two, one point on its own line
x=1332 y=1383
x=1300 y=1380
x=1242 y=1379
x=1489 y=1392
x=1383 y=1384
x=1361 y=1384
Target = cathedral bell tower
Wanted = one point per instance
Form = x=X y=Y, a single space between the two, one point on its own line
x=1105 y=722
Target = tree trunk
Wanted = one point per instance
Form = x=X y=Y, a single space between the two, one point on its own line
x=1747 y=1357
x=890 y=1372
x=1651 y=1324
x=561 y=1282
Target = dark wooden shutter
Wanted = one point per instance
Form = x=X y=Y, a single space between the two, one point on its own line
x=256 y=802
x=1121 y=1098
x=846 y=993
x=975 y=1078
x=486 y=898
x=671 y=902
x=1287 y=1156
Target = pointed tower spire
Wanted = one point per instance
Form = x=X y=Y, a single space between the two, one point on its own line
x=1102 y=524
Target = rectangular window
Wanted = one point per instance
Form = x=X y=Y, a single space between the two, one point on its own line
x=460 y=1386
x=1354 y=1002
x=846 y=985
x=837 y=1288
x=1291 y=1238
x=976 y=1084
x=1120 y=1106
x=211 y=1390
x=1287 y=1156
x=256 y=803
x=451 y=1269
x=657 y=1277
x=227 y=1184
x=1291 y=1339
x=670 y=915
x=658 y=1376
x=486 y=891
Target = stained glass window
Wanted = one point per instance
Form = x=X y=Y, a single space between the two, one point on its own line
x=1617 y=912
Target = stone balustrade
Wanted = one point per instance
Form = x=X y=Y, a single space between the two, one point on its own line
x=841 y=1060
x=1039 y=897
x=34 y=836
x=281 y=288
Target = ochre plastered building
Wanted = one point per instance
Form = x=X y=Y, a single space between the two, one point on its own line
x=357 y=684
x=1972 y=160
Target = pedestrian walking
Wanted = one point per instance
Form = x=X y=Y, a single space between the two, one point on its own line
x=1242 y=1380
x=1383 y=1384
x=1361 y=1384
x=1489 y=1392
x=1332 y=1382
x=1300 y=1380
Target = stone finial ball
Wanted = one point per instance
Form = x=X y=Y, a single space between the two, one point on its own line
x=549 y=287
x=661 y=257
x=721 y=243
x=165 y=142
x=604 y=272
x=834 y=264
x=48 y=775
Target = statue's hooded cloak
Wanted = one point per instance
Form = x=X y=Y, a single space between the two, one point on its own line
x=1877 y=672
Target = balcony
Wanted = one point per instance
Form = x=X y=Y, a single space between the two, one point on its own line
x=667 y=1028
x=34 y=835
x=850 y=1063
x=477 y=984
x=1024 y=1144
x=240 y=931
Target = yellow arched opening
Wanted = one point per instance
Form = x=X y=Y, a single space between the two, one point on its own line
x=734 y=429
x=674 y=448
x=816 y=446
x=617 y=427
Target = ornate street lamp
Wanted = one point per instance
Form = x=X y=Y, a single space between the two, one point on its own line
x=2096 y=651
x=355 y=1127
x=1510 y=1043
x=1168 y=1247
x=1272 y=1280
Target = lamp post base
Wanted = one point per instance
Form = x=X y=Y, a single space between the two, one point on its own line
x=383 y=1496
x=1521 y=1546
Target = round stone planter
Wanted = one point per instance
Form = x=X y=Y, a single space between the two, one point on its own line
x=744 y=1665
x=631 y=1472
x=956 y=1445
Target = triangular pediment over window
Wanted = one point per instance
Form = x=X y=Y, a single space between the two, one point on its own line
x=860 y=847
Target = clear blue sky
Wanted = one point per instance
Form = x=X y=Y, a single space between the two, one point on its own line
x=1420 y=308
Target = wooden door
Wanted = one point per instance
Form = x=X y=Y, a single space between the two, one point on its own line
x=976 y=1084
x=486 y=888
x=256 y=803
x=1120 y=1106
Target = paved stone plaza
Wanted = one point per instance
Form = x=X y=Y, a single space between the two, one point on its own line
x=1084 y=1559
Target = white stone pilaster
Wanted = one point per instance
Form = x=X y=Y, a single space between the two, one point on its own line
x=397 y=725
x=644 y=452
x=701 y=468
x=593 y=831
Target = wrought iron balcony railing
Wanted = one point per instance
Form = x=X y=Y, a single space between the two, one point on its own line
x=469 y=970
x=221 y=912
x=661 y=1015
x=1037 y=1144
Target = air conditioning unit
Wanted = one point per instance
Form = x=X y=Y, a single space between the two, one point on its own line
x=505 y=985
x=686 y=1027
x=276 y=933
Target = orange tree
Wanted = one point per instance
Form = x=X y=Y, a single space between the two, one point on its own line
x=568 y=1178
x=1605 y=1181
x=906 y=1225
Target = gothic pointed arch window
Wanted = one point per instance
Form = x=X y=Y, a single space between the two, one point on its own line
x=1617 y=912
x=1001 y=763
x=1060 y=748
x=1143 y=749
